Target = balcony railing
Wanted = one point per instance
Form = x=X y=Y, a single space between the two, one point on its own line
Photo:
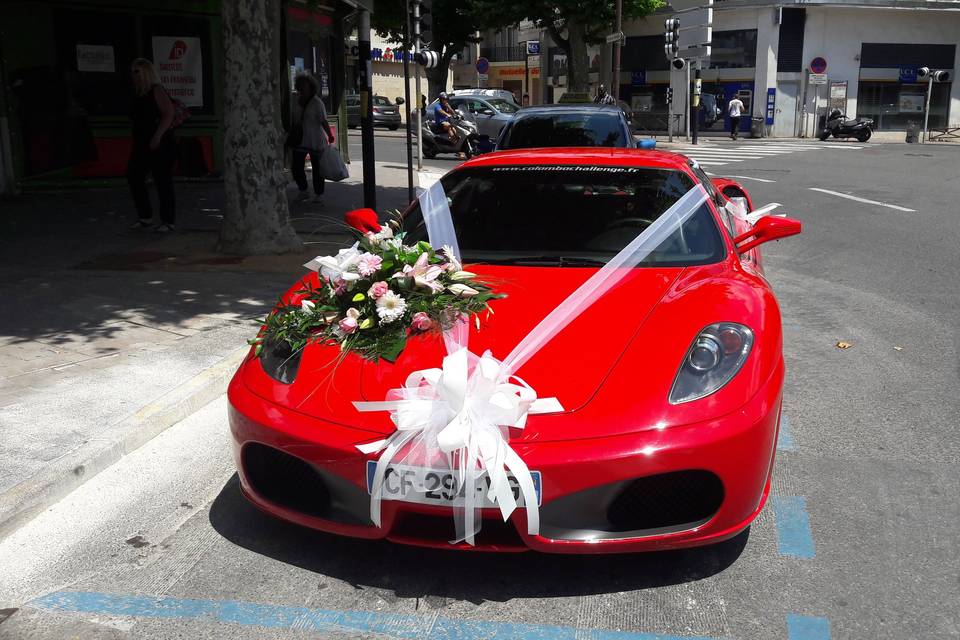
x=504 y=54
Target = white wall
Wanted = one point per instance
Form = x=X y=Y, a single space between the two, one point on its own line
x=836 y=34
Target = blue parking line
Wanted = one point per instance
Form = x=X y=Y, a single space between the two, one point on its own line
x=793 y=526
x=289 y=617
x=807 y=628
x=785 y=438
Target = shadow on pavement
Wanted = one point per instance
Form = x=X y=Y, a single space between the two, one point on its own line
x=430 y=573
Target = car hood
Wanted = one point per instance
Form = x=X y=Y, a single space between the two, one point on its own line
x=571 y=367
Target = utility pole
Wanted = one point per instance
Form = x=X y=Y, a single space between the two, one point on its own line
x=617 y=29
x=366 y=112
x=695 y=105
x=926 y=110
x=420 y=107
x=406 y=95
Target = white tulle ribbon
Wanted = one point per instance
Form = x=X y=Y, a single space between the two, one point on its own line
x=460 y=415
x=738 y=207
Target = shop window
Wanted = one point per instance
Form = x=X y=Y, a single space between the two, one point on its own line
x=734 y=49
x=893 y=105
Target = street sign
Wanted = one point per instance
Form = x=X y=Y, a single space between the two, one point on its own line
x=818 y=65
x=694 y=37
x=697 y=53
x=771 y=104
x=638 y=78
x=533 y=47
x=697 y=17
x=482 y=77
x=483 y=65
x=817 y=78
x=615 y=37
x=908 y=74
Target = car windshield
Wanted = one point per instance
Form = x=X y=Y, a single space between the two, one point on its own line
x=569 y=215
x=380 y=101
x=503 y=106
x=564 y=130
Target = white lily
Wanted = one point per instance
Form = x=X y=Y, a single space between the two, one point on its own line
x=459 y=276
x=462 y=290
x=342 y=266
x=307 y=306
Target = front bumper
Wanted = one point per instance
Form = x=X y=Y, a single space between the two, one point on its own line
x=579 y=478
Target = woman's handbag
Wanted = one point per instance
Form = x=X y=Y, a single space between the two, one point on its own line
x=331 y=164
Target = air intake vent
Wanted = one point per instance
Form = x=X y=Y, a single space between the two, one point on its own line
x=666 y=500
x=285 y=480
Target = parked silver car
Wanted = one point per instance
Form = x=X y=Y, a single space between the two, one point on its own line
x=491 y=114
x=385 y=113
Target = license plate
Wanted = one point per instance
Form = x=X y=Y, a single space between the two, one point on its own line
x=437 y=486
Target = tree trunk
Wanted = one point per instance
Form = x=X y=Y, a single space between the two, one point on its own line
x=578 y=67
x=256 y=219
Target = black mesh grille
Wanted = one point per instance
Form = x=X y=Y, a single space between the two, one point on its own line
x=285 y=480
x=666 y=500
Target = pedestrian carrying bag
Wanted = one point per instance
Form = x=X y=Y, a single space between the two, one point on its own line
x=331 y=164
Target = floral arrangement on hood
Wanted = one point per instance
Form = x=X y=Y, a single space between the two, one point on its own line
x=374 y=295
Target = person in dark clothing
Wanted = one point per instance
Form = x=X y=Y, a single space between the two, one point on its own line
x=154 y=148
x=311 y=114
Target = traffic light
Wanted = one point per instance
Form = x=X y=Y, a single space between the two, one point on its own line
x=428 y=59
x=937 y=75
x=671 y=35
x=426 y=24
x=679 y=64
x=669 y=95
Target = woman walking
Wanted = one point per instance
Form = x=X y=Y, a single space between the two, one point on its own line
x=310 y=119
x=154 y=149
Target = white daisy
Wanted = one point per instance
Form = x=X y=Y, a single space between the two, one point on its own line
x=390 y=307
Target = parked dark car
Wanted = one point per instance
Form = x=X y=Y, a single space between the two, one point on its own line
x=567 y=125
x=385 y=113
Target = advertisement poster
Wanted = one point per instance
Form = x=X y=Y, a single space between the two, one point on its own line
x=95 y=58
x=179 y=65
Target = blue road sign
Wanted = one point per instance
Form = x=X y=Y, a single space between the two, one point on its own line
x=638 y=78
x=483 y=65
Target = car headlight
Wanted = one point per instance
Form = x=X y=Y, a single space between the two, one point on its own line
x=715 y=356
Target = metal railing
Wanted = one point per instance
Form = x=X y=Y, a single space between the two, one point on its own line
x=503 y=54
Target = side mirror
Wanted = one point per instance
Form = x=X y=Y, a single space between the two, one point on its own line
x=363 y=220
x=399 y=101
x=486 y=112
x=766 y=229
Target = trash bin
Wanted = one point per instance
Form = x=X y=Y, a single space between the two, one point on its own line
x=913 y=132
x=757 y=127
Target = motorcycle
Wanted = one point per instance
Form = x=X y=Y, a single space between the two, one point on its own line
x=435 y=140
x=839 y=127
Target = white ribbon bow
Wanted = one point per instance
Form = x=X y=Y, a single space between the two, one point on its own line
x=463 y=410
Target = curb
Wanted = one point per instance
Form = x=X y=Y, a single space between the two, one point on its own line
x=21 y=503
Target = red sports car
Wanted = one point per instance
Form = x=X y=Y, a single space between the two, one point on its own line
x=671 y=383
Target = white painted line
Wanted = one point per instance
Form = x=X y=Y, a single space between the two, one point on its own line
x=710 y=164
x=750 y=178
x=840 y=146
x=730 y=152
x=863 y=200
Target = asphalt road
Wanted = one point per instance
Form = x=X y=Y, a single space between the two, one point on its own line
x=859 y=539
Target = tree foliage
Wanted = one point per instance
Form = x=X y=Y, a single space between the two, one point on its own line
x=455 y=24
x=572 y=24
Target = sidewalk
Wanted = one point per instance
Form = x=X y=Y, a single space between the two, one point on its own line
x=108 y=336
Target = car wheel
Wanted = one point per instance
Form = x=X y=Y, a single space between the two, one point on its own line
x=864 y=135
x=824 y=135
x=394 y=127
x=429 y=153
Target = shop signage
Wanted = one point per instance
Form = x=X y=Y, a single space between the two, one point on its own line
x=638 y=78
x=818 y=78
x=908 y=74
x=818 y=65
x=533 y=47
x=517 y=71
x=771 y=104
x=179 y=63
x=95 y=58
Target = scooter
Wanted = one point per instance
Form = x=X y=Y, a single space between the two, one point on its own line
x=465 y=142
x=839 y=127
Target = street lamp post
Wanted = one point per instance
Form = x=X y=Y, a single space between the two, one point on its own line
x=618 y=28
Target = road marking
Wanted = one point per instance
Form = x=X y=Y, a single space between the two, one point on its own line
x=751 y=178
x=793 y=526
x=785 y=438
x=395 y=625
x=841 y=146
x=710 y=164
x=863 y=200
x=807 y=627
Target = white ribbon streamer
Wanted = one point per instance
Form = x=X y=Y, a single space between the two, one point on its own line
x=461 y=414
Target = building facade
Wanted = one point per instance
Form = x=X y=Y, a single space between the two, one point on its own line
x=65 y=89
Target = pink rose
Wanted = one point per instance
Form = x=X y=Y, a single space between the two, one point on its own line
x=350 y=323
x=421 y=321
x=378 y=289
x=369 y=264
